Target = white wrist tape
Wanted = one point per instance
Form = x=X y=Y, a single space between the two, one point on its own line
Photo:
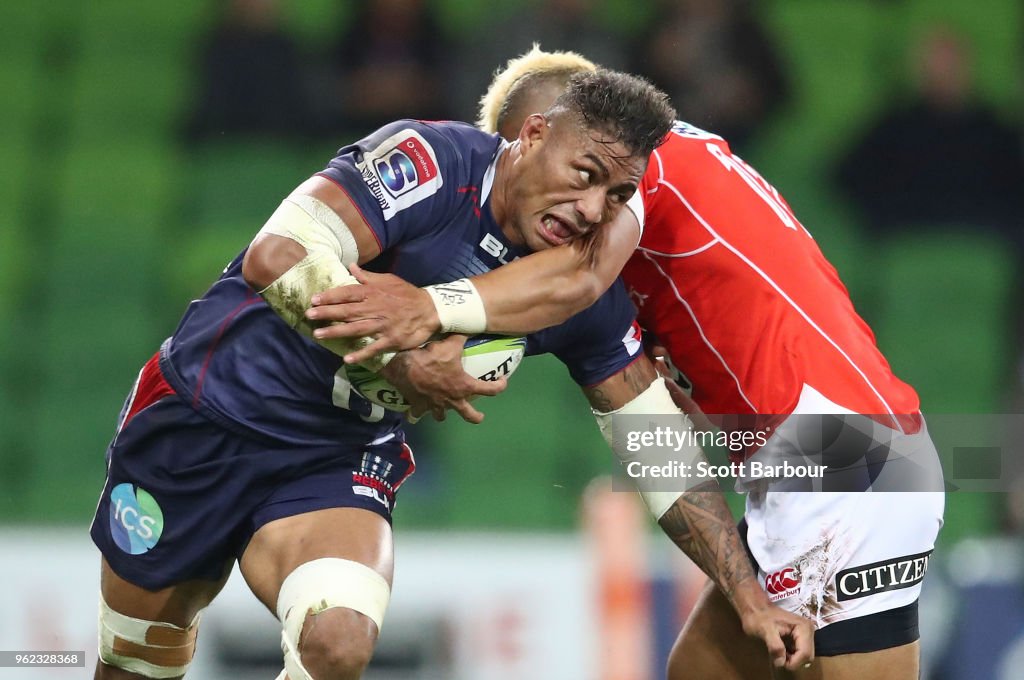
x=654 y=401
x=330 y=249
x=460 y=308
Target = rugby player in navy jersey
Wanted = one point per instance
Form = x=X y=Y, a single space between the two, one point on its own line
x=243 y=440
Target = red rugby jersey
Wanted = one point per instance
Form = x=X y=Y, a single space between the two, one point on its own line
x=740 y=294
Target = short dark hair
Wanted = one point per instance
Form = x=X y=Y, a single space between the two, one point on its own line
x=627 y=108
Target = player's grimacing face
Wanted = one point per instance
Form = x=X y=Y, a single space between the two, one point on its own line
x=571 y=181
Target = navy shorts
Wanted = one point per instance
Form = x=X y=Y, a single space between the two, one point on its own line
x=184 y=495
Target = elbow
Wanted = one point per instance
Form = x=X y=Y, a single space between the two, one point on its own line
x=267 y=258
x=580 y=290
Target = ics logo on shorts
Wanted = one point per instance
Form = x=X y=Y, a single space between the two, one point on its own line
x=406 y=167
x=782 y=584
x=136 y=520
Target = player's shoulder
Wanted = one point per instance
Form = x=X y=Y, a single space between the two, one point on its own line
x=448 y=144
x=442 y=137
x=413 y=158
x=690 y=157
x=457 y=136
x=685 y=144
x=465 y=140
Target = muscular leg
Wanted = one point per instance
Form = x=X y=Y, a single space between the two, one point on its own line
x=712 y=644
x=337 y=643
x=177 y=605
x=895 y=663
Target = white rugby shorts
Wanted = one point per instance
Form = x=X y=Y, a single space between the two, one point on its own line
x=840 y=547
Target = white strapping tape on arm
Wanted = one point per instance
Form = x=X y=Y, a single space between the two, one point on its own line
x=654 y=401
x=330 y=250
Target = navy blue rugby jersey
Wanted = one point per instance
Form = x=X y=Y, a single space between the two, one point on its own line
x=423 y=189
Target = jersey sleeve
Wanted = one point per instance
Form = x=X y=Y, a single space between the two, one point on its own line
x=635 y=205
x=404 y=178
x=598 y=342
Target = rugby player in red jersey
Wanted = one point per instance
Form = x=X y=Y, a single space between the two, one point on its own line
x=759 y=325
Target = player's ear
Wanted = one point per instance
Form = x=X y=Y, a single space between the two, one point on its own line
x=535 y=129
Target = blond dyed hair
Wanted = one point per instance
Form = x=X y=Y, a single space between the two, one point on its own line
x=518 y=73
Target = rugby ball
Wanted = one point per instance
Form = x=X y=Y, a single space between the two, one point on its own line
x=486 y=357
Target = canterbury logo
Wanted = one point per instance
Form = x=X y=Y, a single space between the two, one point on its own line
x=781 y=582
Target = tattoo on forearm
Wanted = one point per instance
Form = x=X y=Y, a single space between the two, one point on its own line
x=612 y=393
x=599 y=400
x=636 y=378
x=701 y=525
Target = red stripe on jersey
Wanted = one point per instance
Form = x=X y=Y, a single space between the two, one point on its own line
x=216 y=341
x=406 y=455
x=149 y=389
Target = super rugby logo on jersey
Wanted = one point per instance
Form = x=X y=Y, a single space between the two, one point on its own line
x=136 y=521
x=407 y=166
x=401 y=171
x=782 y=584
x=881 y=577
x=371 y=480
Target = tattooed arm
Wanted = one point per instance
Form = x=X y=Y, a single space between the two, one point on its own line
x=699 y=522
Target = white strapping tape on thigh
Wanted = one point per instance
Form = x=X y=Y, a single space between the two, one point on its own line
x=320 y=585
x=150 y=648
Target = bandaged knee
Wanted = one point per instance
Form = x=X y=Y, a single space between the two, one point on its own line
x=323 y=584
x=619 y=430
x=149 y=648
x=330 y=250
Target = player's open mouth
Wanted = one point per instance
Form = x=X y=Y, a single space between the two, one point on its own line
x=556 y=231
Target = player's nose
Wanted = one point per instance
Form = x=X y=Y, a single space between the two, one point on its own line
x=590 y=206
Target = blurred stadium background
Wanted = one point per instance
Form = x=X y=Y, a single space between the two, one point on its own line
x=114 y=212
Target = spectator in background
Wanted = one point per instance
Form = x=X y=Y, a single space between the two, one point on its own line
x=716 y=62
x=251 y=77
x=573 y=25
x=941 y=159
x=389 y=65
x=944 y=159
